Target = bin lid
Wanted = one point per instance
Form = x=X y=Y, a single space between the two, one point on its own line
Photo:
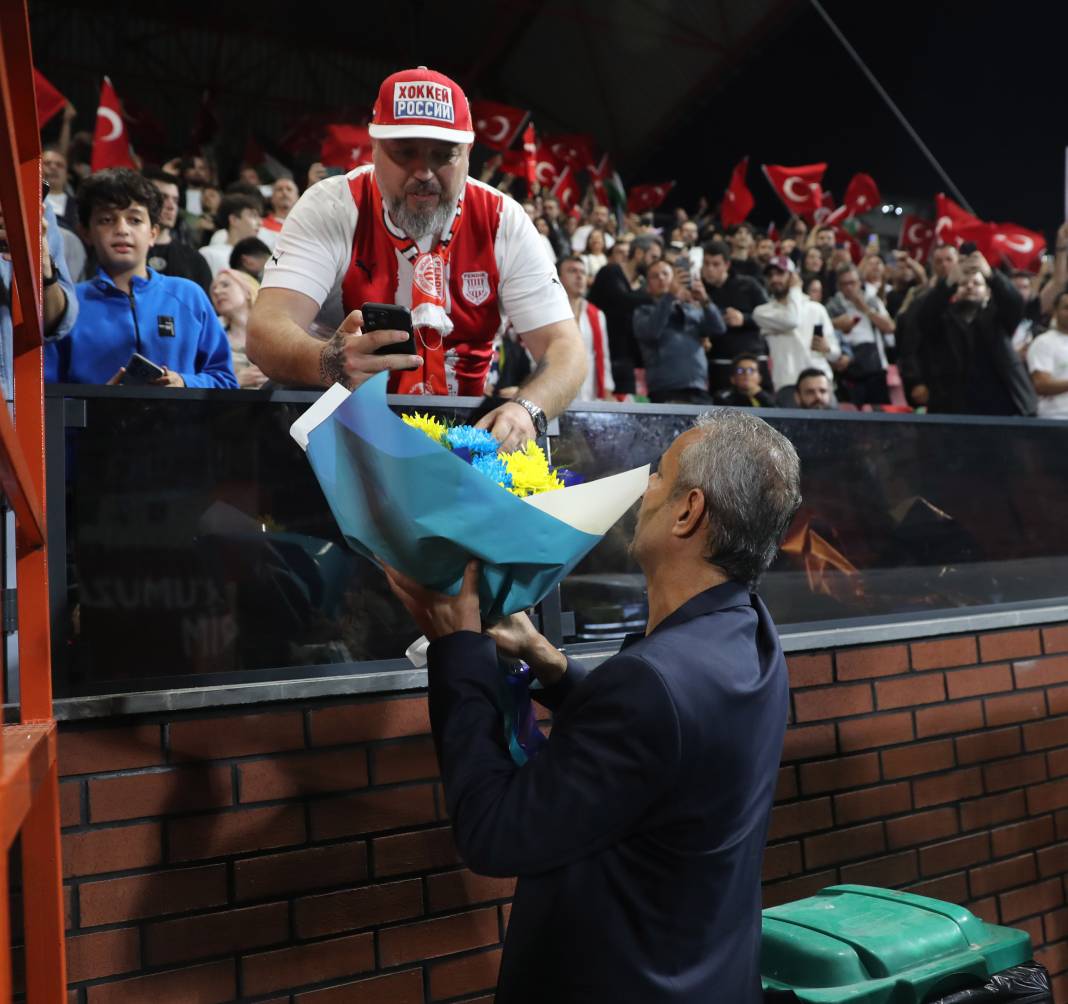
x=867 y=945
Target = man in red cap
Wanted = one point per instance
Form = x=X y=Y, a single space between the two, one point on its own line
x=413 y=229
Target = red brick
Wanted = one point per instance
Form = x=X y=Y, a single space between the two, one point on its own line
x=1044 y=797
x=1053 y=957
x=890 y=872
x=832 y=702
x=872 y=803
x=213 y=983
x=114 y=849
x=1009 y=645
x=1033 y=927
x=70 y=803
x=951 y=787
x=414 y=852
x=990 y=744
x=1060 y=820
x=844 y=844
x=1056 y=925
x=1014 y=773
x=390 y=718
x=1043 y=735
x=1057 y=762
x=951 y=888
x=878 y=730
x=1041 y=672
x=300 y=965
x=951 y=855
x=781 y=860
x=299 y=871
x=809 y=670
x=222 y=834
x=1023 y=836
x=921 y=828
x=1058 y=700
x=926 y=688
x=800 y=817
x=452 y=890
x=396 y=988
x=1055 y=639
x=465 y=975
x=430 y=939
x=1003 y=875
x=384 y=809
x=918 y=758
x=301 y=774
x=976 y=682
x=993 y=809
x=1015 y=707
x=236 y=735
x=353 y=909
x=94 y=751
x=959 y=716
x=1031 y=900
x=874 y=660
x=102 y=953
x=786 y=784
x=1053 y=860
x=158 y=793
x=188 y=938
x=805 y=742
x=943 y=653
x=985 y=909
x=111 y=901
x=842 y=772
x=408 y=760
x=797 y=888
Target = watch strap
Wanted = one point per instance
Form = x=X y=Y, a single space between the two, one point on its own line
x=537 y=415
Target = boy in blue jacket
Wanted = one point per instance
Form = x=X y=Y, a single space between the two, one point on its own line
x=127 y=307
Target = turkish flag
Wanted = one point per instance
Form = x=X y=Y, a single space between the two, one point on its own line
x=645 y=198
x=566 y=188
x=530 y=156
x=917 y=237
x=346 y=146
x=496 y=125
x=1020 y=247
x=547 y=166
x=799 y=187
x=737 y=200
x=111 y=144
x=49 y=101
x=514 y=162
x=862 y=194
x=951 y=220
x=574 y=149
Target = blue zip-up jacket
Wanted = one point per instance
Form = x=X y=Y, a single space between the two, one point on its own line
x=168 y=320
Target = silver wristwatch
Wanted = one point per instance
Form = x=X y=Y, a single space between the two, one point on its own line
x=537 y=416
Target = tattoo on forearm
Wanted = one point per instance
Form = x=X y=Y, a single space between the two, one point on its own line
x=332 y=361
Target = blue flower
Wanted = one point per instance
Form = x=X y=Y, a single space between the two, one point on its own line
x=493 y=467
x=467 y=437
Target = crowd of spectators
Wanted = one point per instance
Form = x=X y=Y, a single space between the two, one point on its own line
x=673 y=307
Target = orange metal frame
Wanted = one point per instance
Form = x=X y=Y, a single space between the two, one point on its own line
x=29 y=785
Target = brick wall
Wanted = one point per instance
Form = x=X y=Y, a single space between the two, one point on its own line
x=301 y=853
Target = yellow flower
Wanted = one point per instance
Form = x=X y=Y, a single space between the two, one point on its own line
x=530 y=471
x=433 y=427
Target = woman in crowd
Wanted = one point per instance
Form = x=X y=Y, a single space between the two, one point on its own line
x=595 y=258
x=232 y=295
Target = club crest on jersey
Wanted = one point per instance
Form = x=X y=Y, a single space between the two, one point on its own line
x=475 y=287
x=422 y=100
x=430 y=276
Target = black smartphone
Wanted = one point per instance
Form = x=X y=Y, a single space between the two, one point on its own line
x=390 y=317
x=140 y=370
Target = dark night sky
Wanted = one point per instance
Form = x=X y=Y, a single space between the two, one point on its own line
x=982 y=83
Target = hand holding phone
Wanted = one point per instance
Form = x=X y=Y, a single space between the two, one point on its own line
x=141 y=371
x=390 y=317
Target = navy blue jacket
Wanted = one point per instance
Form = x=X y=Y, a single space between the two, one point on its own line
x=638 y=831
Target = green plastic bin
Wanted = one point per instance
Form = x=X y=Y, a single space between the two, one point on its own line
x=867 y=945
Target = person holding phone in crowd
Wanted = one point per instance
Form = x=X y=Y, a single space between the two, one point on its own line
x=129 y=313
x=414 y=229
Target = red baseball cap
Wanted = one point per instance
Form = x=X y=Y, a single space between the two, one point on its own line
x=421 y=104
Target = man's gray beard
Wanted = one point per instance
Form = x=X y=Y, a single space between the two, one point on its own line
x=419 y=224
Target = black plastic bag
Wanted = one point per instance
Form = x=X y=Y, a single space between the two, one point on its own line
x=1027 y=983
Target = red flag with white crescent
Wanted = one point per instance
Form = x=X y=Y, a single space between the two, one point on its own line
x=645 y=198
x=737 y=200
x=1020 y=247
x=345 y=146
x=573 y=149
x=49 y=100
x=861 y=194
x=111 y=144
x=547 y=166
x=497 y=126
x=800 y=188
x=530 y=156
x=917 y=237
x=951 y=220
x=566 y=188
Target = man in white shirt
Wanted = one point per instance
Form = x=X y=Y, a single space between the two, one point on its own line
x=242 y=218
x=799 y=333
x=1047 y=360
x=864 y=325
x=593 y=327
